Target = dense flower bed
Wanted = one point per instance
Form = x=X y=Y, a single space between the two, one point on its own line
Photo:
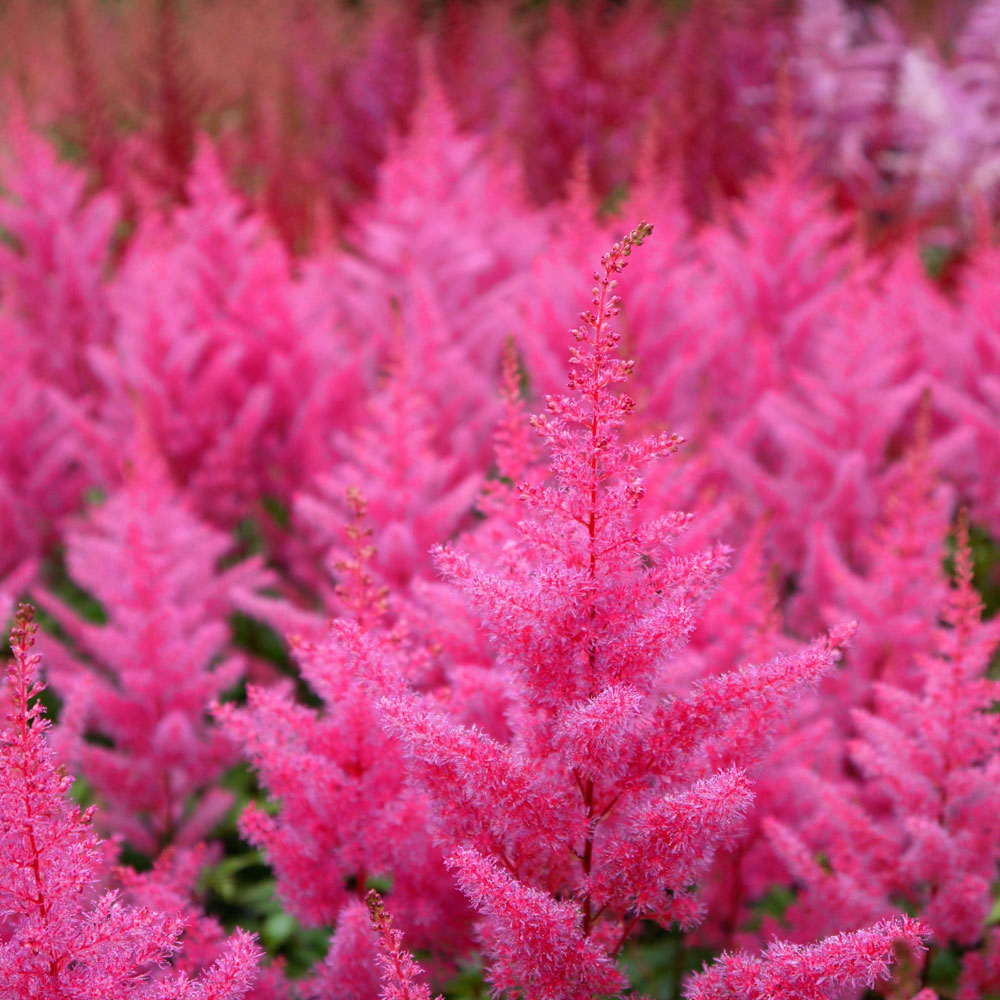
x=419 y=562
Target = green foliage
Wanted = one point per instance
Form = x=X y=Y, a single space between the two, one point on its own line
x=56 y=576
x=986 y=567
x=773 y=904
x=469 y=984
x=943 y=967
x=937 y=258
x=658 y=961
x=240 y=891
x=257 y=639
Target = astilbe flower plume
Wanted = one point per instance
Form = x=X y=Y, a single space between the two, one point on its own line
x=919 y=823
x=968 y=383
x=843 y=64
x=400 y=974
x=53 y=261
x=145 y=679
x=46 y=467
x=740 y=362
x=605 y=805
x=61 y=939
x=415 y=491
x=823 y=971
x=896 y=597
x=239 y=387
x=743 y=622
x=516 y=457
x=170 y=887
x=54 y=314
x=425 y=214
x=345 y=813
x=432 y=278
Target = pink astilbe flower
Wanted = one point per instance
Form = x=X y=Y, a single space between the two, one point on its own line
x=765 y=357
x=145 y=680
x=239 y=383
x=968 y=393
x=434 y=280
x=431 y=185
x=920 y=825
x=585 y=71
x=743 y=618
x=577 y=234
x=53 y=264
x=345 y=813
x=607 y=801
x=355 y=89
x=896 y=596
x=517 y=459
x=400 y=973
x=46 y=467
x=515 y=447
x=350 y=970
x=981 y=970
x=743 y=621
x=532 y=940
x=844 y=63
x=937 y=756
x=54 y=315
x=417 y=494
x=948 y=145
x=61 y=940
x=773 y=269
x=170 y=887
x=805 y=447
x=906 y=130
x=824 y=971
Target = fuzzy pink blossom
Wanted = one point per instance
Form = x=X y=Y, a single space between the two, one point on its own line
x=896 y=595
x=170 y=887
x=844 y=64
x=46 y=468
x=918 y=823
x=350 y=969
x=533 y=941
x=54 y=319
x=605 y=802
x=62 y=939
x=239 y=382
x=345 y=813
x=145 y=679
x=53 y=265
x=416 y=492
x=821 y=971
x=400 y=973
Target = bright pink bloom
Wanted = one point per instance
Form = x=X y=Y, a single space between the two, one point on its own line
x=62 y=940
x=350 y=969
x=823 y=971
x=53 y=265
x=533 y=941
x=920 y=823
x=606 y=802
x=346 y=813
x=146 y=678
x=416 y=492
x=238 y=380
x=400 y=973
